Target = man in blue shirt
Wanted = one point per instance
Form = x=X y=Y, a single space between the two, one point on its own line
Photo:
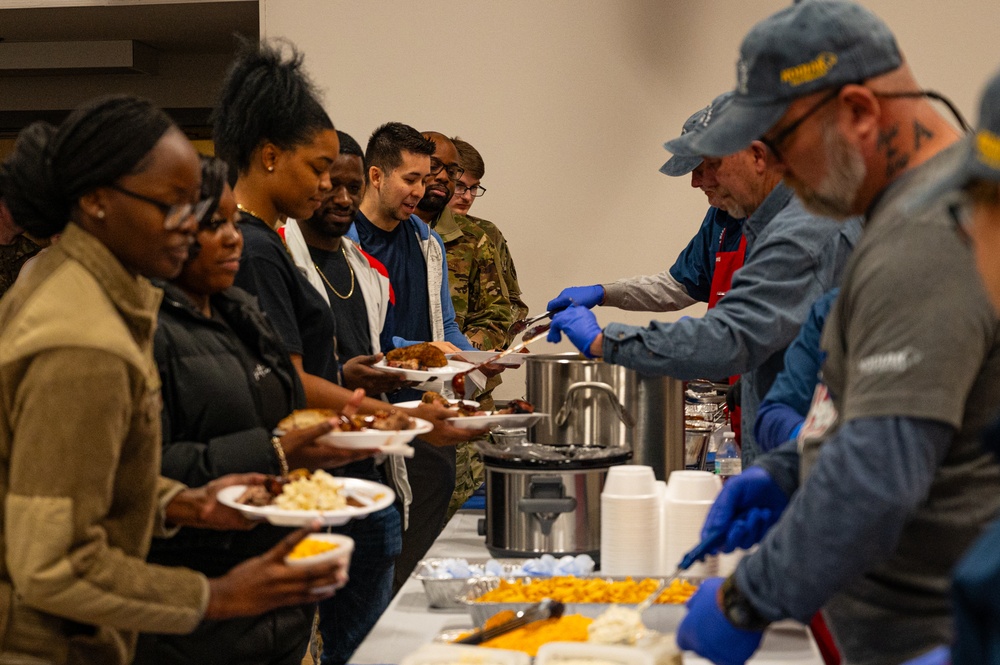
x=793 y=257
x=689 y=279
x=398 y=159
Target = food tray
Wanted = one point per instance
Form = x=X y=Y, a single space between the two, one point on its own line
x=450 y=593
x=662 y=617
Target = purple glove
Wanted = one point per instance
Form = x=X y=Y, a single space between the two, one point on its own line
x=938 y=656
x=580 y=326
x=584 y=296
x=748 y=505
x=706 y=630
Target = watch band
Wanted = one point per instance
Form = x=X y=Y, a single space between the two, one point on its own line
x=738 y=609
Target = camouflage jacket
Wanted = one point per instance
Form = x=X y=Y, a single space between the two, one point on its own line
x=507 y=269
x=12 y=257
x=482 y=308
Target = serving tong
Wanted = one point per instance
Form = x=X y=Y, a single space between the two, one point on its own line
x=546 y=609
x=532 y=334
x=521 y=325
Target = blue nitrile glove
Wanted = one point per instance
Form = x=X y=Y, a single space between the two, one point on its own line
x=706 y=630
x=938 y=656
x=584 y=296
x=400 y=343
x=748 y=505
x=580 y=326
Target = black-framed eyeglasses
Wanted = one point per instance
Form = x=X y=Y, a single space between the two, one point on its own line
x=454 y=171
x=174 y=214
x=474 y=191
x=782 y=136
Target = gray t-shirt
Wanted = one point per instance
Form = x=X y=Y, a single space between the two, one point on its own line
x=913 y=335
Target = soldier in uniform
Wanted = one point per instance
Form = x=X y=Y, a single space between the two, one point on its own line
x=467 y=190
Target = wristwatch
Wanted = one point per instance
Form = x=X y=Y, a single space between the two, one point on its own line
x=737 y=608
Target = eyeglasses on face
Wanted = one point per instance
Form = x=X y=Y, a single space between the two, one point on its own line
x=454 y=171
x=781 y=137
x=474 y=191
x=174 y=214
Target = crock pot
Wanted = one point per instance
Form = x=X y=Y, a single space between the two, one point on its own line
x=545 y=499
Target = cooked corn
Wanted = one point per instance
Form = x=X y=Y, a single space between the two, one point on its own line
x=311 y=547
x=586 y=590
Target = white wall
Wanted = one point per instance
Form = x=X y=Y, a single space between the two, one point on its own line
x=569 y=102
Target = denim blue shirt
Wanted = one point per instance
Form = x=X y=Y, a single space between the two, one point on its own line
x=793 y=258
x=695 y=266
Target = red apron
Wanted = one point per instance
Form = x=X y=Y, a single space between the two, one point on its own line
x=726 y=264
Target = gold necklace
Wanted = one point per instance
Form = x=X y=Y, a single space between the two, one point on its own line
x=335 y=292
x=242 y=208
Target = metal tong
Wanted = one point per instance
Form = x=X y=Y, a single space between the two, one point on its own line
x=518 y=327
x=533 y=334
x=546 y=609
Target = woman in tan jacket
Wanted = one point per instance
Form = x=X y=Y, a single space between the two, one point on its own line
x=80 y=401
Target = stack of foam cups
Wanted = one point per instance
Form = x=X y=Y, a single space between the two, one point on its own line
x=630 y=521
x=689 y=495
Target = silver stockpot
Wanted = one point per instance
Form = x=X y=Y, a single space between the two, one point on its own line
x=596 y=403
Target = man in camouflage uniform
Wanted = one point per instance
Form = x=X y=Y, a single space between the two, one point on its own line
x=483 y=308
x=467 y=189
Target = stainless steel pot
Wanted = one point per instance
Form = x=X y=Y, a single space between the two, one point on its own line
x=596 y=403
x=544 y=499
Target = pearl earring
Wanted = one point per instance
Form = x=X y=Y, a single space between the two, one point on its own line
x=270 y=169
x=100 y=214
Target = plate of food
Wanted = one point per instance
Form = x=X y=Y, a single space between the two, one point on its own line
x=517 y=413
x=304 y=497
x=476 y=357
x=383 y=431
x=421 y=362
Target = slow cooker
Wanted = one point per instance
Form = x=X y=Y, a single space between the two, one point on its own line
x=545 y=499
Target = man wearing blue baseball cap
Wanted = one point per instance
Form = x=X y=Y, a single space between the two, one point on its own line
x=887 y=485
x=792 y=258
x=694 y=277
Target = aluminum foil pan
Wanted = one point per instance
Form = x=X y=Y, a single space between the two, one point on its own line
x=662 y=617
x=450 y=593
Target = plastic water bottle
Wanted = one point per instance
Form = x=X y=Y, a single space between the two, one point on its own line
x=727 y=459
x=714 y=443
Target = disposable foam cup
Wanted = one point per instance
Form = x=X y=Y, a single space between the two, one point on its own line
x=693 y=486
x=630 y=480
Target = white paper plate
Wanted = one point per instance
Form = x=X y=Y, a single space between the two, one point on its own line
x=451 y=369
x=415 y=403
x=375 y=439
x=381 y=496
x=476 y=357
x=498 y=420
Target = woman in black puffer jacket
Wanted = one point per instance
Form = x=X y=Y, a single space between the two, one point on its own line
x=227 y=381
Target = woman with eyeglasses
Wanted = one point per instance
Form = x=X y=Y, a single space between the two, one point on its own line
x=80 y=402
x=227 y=381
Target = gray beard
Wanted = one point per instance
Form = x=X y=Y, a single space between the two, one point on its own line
x=846 y=172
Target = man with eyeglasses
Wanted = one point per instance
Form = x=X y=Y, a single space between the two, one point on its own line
x=792 y=257
x=887 y=485
x=467 y=190
x=483 y=309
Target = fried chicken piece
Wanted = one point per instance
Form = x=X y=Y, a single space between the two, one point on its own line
x=431 y=397
x=301 y=418
x=426 y=354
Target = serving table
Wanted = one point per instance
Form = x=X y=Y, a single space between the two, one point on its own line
x=409 y=623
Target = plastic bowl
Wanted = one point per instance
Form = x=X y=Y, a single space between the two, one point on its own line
x=344 y=548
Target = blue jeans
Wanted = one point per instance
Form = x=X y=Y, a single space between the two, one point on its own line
x=347 y=618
